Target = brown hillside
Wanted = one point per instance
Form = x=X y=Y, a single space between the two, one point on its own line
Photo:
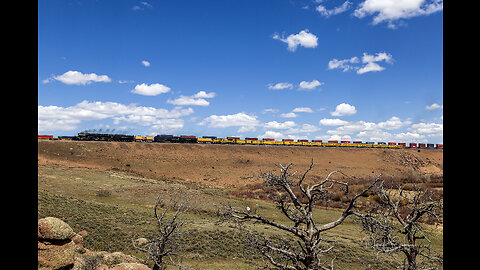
x=233 y=164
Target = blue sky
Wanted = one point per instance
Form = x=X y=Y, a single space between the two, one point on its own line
x=369 y=70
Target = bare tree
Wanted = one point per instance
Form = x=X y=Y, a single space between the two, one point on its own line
x=396 y=224
x=303 y=250
x=163 y=250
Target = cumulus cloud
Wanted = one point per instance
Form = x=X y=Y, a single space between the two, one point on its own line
x=305 y=85
x=344 y=109
x=78 y=78
x=272 y=134
x=429 y=129
x=337 y=10
x=288 y=115
x=196 y=100
x=232 y=120
x=280 y=86
x=203 y=94
x=304 y=128
x=145 y=63
x=343 y=64
x=391 y=11
x=303 y=38
x=382 y=131
x=153 y=89
x=277 y=125
x=303 y=109
x=332 y=122
x=68 y=118
x=434 y=106
x=369 y=63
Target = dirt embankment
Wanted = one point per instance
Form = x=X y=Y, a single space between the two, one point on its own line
x=234 y=164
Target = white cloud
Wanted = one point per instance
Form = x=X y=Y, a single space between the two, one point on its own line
x=153 y=89
x=369 y=61
x=280 y=86
x=391 y=11
x=270 y=110
x=393 y=123
x=332 y=122
x=303 y=109
x=329 y=12
x=203 y=94
x=277 y=125
x=343 y=64
x=145 y=63
x=434 y=106
x=78 y=78
x=196 y=100
x=430 y=129
x=288 y=115
x=272 y=134
x=309 y=85
x=184 y=101
x=125 y=81
x=370 y=67
x=344 y=109
x=305 y=128
x=68 y=118
x=303 y=38
x=232 y=120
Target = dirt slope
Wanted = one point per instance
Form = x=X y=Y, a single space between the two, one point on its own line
x=233 y=164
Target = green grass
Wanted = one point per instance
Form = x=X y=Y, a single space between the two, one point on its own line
x=114 y=208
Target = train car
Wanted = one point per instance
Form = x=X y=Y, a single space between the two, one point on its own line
x=86 y=136
x=345 y=142
x=268 y=141
x=317 y=141
x=139 y=138
x=187 y=139
x=123 y=138
x=163 y=138
x=430 y=145
x=402 y=144
x=218 y=140
x=205 y=140
x=422 y=145
x=439 y=146
x=392 y=143
x=287 y=141
x=412 y=145
x=66 y=138
x=332 y=141
x=250 y=140
x=45 y=137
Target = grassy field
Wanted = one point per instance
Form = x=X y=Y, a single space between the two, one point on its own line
x=115 y=207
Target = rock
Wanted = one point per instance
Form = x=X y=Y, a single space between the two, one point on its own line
x=52 y=256
x=55 y=248
x=51 y=228
x=141 y=241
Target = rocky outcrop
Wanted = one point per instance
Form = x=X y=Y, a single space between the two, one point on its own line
x=59 y=247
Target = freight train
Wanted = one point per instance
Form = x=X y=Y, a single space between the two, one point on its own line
x=86 y=136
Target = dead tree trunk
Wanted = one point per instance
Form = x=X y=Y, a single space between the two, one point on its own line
x=304 y=249
x=396 y=224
